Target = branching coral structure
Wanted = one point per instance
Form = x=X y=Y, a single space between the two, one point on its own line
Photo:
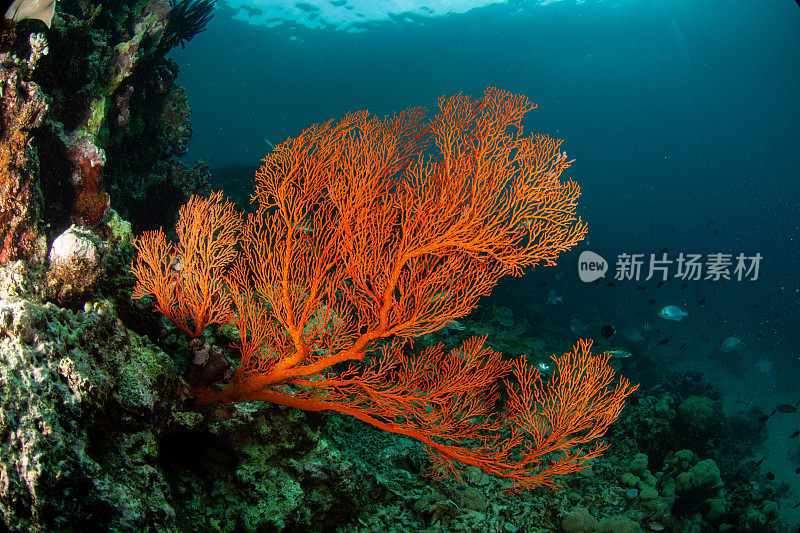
x=370 y=232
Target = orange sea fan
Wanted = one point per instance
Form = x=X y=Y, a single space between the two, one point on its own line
x=371 y=231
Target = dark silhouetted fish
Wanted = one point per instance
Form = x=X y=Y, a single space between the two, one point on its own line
x=682 y=346
x=701 y=301
x=608 y=331
x=796 y=433
x=542 y=284
x=663 y=341
x=650 y=302
x=692 y=499
x=786 y=408
x=659 y=284
x=684 y=286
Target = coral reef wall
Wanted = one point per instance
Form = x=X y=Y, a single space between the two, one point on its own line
x=116 y=117
x=22 y=108
x=81 y=401
x=90 y=120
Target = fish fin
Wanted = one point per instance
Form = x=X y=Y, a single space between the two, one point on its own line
x=32 y=9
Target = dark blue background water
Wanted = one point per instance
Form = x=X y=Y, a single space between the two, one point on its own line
x=683 y=118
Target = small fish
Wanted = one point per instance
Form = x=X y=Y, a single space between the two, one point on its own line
x=786 y=408
x=683 y=287
x=796 y=433
x=177 y=263
x=608 y=331
x=619 y=353
x=610 y=284
x=663 y=341
x=760 y=461
x=731 y=344
x=701 y=301
x=664 y=250
x=763 y=418
x=305 y=229
x=797 y=471
x=553 y=298
x=682 y=346
x=672 y=312
x=651 y=302
x=770 y=476
x=542 y=284
x=659 y=284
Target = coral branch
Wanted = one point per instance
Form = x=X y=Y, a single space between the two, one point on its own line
x=187 y=279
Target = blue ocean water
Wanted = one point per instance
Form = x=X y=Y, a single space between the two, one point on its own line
x=683 y=118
